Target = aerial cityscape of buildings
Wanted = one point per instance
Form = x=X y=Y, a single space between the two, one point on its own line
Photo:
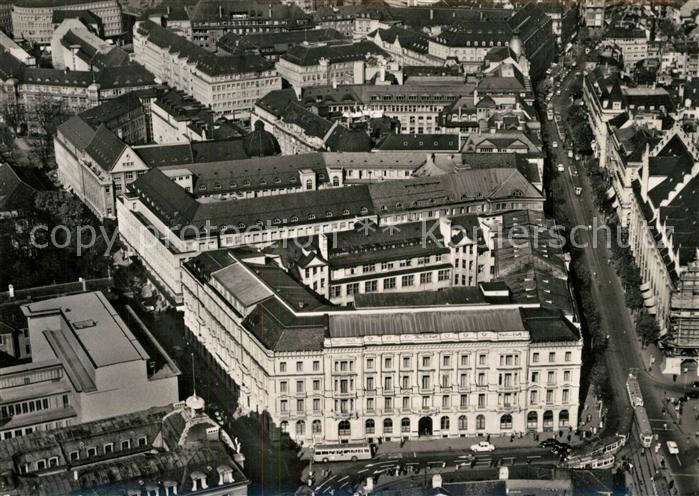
x=349 y=247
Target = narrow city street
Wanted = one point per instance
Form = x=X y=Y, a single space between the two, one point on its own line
x=624 y=351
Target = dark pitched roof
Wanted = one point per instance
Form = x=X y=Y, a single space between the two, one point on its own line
x=280 y=330
x=77 y=131
x=407 y=38
x=548 y=325
x=276 y=43
x=19 y=185
x=348 y=140
x=422 y=142
x=191 y=153
x=10 y=67
x=206 y=61
x=284 y=105
x=105 y=148
x=111 y=109
x=308 y=55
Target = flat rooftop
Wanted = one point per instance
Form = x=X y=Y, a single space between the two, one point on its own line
x=101 y=332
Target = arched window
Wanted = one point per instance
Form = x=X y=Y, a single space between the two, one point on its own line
x=336 y=181
x=506 y=422
x=463 y=423
x=316 y=427
x=387 y=426
x=405 y=424
x=309 y=184
x=548 y=421
x=480 y=422
x=369 y=426
x=563 y=419
x=300 y=428
x=532 y=420
x=284 y=426
x=444 y=423
x=343 y=428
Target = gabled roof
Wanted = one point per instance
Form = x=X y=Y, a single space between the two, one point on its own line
x=105 y=148
x=310 y=55
x=77 y=131
x=19 y=185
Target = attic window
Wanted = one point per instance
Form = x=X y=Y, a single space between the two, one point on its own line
x=399 y=205
x=241 y=225
x=345 y=212
x=217 y=186
x=328 y=213
x=364 y=211
x=260 y=223
x=277 y=180
x=246 y=182
x=202 y=187
x=294 y=218
x=263 y=182
x=276 y=220
x=311 y=216
x=233 y=185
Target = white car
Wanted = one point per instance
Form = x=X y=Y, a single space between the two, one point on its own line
x=671 y=448
x=482 y=447
x=555 y=144
x=560 y=168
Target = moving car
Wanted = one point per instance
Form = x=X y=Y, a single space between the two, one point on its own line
x=672 y=448
x=482 y=447
x=560 y=168
x=555 y=144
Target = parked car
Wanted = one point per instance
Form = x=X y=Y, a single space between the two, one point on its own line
x=482 y=447
x=560 y=168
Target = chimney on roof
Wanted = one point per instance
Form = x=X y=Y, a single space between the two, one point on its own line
x=11 y=290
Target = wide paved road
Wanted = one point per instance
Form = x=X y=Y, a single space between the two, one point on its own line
x=346 y=477
x=623 y=353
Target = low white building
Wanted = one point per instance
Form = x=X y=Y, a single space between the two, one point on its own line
x=86 y=365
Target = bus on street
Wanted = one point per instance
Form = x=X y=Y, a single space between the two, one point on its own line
x=341 y=452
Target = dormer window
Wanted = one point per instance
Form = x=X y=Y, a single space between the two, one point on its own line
x=328 y=213
x=91 y=452
x=294 y=218
x=311 y=216
x=364 y=211
x=246 y=183
x=126 y=444
x=276 y=221
x=241 y=225
x=345 y=212
x=142 y=441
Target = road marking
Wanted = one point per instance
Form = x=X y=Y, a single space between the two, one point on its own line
x=362 y=471
x=344 y=478
x=533 y=457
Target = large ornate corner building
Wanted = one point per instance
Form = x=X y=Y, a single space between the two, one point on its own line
x=391 y=368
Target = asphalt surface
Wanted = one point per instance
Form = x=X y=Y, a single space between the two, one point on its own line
x=624 y=351
x=346 y=477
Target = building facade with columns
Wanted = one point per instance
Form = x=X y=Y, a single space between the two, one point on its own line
x=322 y=373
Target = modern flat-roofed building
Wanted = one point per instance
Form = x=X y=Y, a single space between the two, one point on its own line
x=86 y=365
x=403 y=367
x=32 y=20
